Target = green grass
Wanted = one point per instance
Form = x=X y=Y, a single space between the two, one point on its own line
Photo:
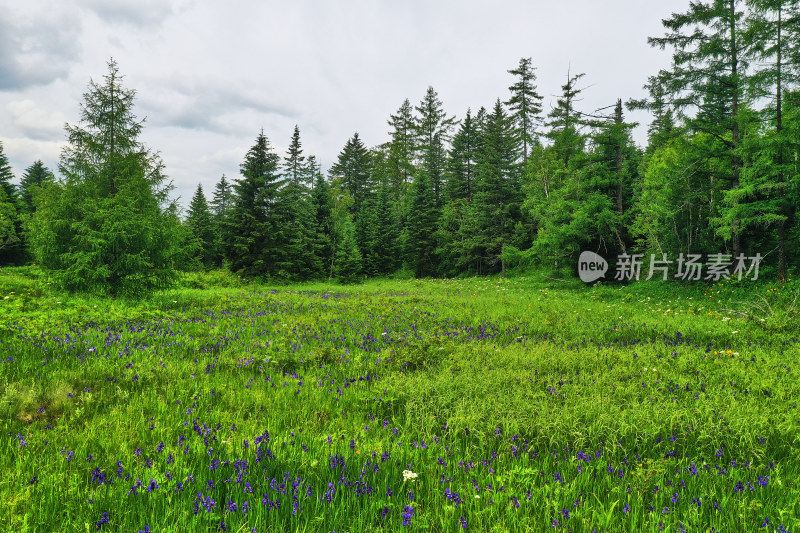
x=522 y=404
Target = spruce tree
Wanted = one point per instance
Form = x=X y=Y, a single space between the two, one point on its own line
x=422 y=216
x=354 y=167
x=525 y=104
x=12 y=247
x=566 y=122
x=432 y=128
x=766 y=186
x=499 y=184
x=401 y=148
x=221 y=208
x=8 y=231
x=322 y=208
x=35 y=176
x=200 y=223
x=461 y=163
x=298 y=218
x=256 y=229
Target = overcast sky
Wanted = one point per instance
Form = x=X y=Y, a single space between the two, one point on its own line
x=210 y=75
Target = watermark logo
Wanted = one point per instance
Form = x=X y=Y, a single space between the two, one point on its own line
x=591 y=267
x=691 y=267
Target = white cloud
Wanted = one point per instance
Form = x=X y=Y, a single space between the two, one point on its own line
x=35 y=122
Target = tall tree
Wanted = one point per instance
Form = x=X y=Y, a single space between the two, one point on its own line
x=420 y=240
x=566 y=122
x=461 y=163
x=708 y=76
x=256 y=231
x=432 y=128
x=200 y=223
x=294 y=164
x=354 y=167
x=773 y=31
x=401 y=150
x=108 y=226
x=12 y=247
x=35 y=176
x=322 y=209
x=499 y=185
x=297 y=215
x=221 y=208
x=525 y=104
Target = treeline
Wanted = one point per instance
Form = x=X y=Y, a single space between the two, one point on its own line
x=502 y=186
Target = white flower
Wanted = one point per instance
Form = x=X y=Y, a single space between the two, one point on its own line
x=408 y=474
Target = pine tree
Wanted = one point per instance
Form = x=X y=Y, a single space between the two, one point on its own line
x=201 y=225
x=382 y=234
x=525 y=104
x=35 y=176
x=108 y=226
x=6 y=175
x=256 y=231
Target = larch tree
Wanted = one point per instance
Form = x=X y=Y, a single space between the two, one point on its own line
x=108 y=226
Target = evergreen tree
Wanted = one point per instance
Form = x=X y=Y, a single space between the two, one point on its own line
x=498 y=199
x=346 y=264
x=461 y=163
x=382 y=236
x=298 y=218
x=201 y=225
x=525 y=104
x=322 y=209
x=432 y=129
x=401 y=151
x=221 y=208
x=420 y=242
x=354 y=167
x=8 y=230
x=108 y=226
x=294 y=163
x=256 y=229
x=6 y=175
x=12 y=247
x=35 y=176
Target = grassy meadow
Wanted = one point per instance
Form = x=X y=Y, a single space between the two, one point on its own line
x=483 y=404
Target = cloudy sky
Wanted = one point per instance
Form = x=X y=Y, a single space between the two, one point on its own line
x=210 y=75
